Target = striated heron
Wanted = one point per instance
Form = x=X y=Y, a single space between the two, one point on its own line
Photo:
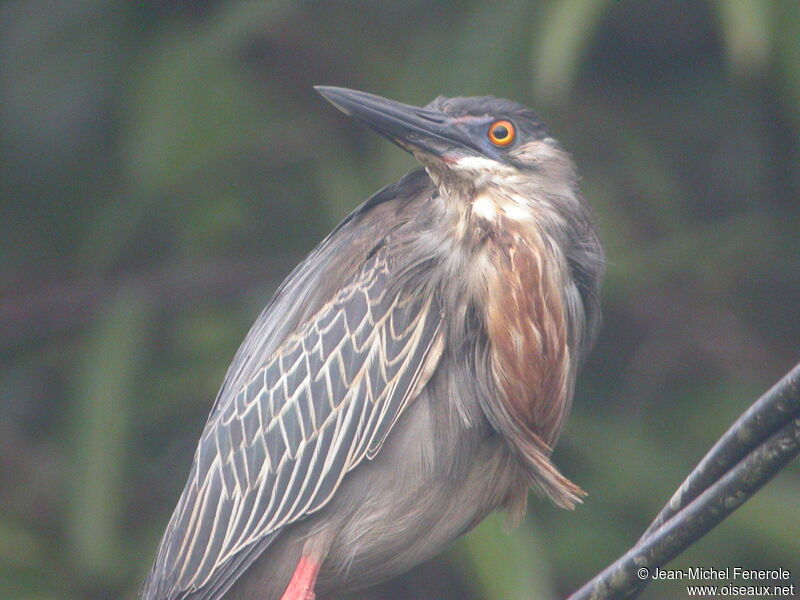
x=409 y=377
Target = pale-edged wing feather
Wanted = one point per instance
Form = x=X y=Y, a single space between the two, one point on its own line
x=276 y=451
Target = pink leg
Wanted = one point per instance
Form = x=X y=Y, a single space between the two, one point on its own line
x=301 y=587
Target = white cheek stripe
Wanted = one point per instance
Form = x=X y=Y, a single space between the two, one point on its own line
x=478 y=163
x=482 y=164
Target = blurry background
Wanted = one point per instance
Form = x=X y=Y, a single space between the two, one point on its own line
x=165 y=164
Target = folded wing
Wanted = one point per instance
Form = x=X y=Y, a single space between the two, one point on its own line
x=276 y=451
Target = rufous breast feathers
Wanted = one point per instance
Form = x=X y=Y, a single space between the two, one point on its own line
x=525 y=320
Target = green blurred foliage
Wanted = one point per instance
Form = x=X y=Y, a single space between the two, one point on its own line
x=165 y=164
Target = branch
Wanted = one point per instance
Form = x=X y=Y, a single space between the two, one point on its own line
x=756 y=447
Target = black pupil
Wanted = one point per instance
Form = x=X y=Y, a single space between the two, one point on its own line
x=501 y=132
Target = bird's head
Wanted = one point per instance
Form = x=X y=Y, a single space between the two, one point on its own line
x=471 y=142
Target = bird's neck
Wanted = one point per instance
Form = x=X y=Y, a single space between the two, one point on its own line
x=514 y=272
x=506 y=240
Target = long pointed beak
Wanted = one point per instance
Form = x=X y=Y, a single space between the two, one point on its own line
x=407 y=126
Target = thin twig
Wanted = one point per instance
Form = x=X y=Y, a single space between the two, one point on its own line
x=58 y=305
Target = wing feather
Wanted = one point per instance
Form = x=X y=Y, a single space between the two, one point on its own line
x=277 y=450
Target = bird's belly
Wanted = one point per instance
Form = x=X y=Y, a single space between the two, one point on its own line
x=404 y=507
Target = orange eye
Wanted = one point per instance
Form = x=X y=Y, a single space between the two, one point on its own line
x=501 y=133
